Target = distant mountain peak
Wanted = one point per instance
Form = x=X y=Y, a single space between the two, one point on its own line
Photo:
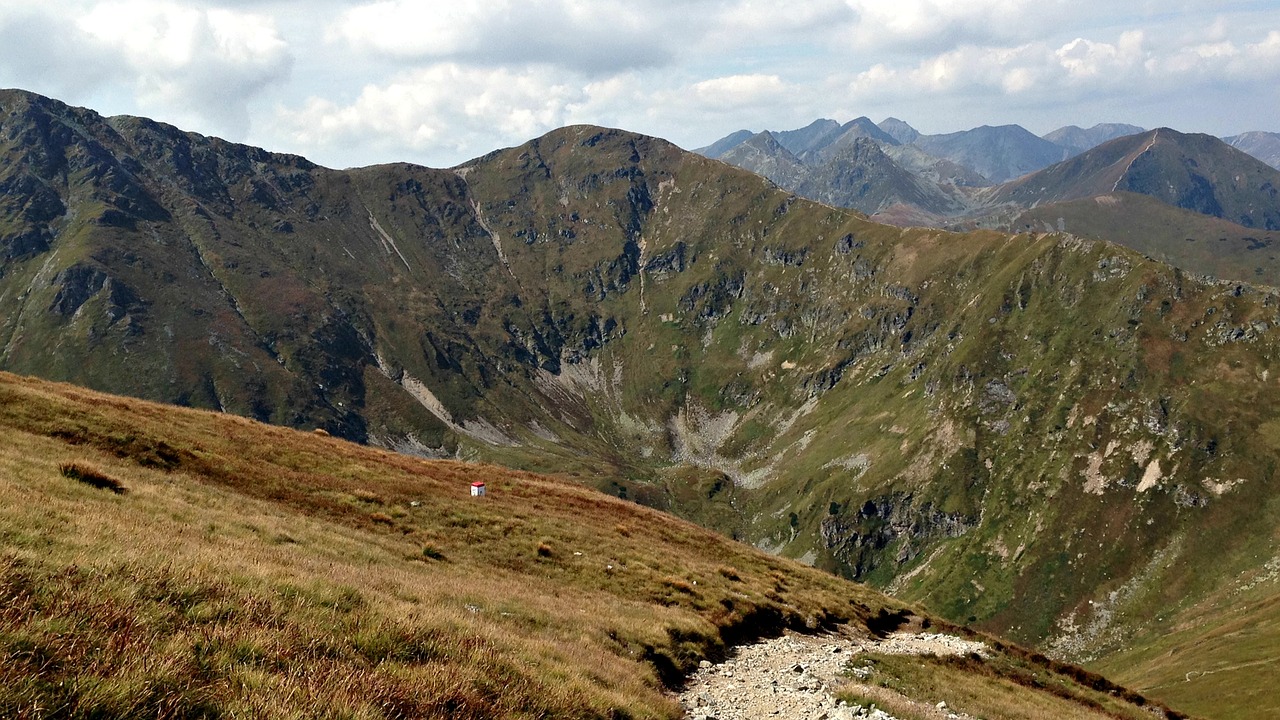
x=899 y=129
x=1263 y=145
x=1078 y=139
x=1192 y=171
x=718 y=148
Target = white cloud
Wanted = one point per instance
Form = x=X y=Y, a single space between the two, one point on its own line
x=446 y=110
x=1224 y=61
x=358 y=81
x=1128 y=67
x=590 y=36
x=44 y=51
x=924 y=24
x=192 y=66
x=1086 y=61
x=738 y=91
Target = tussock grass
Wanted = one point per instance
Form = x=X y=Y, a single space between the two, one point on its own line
x=92 y=476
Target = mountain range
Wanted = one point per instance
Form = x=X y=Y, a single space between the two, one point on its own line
x=946 y=181
x=1050 y=437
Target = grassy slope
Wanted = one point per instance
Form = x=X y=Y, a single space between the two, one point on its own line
x=1194 y=242
x=253 y=570
x=1217 y=657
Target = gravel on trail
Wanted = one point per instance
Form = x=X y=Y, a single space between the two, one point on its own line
x=793 y=677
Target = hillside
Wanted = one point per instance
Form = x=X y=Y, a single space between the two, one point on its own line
x=161 y=562
x=1194 y=172
x=1188 y=240
x=1046 y=436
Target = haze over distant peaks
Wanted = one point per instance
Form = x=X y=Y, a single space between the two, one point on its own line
x=1078 y=139
x=1190 y=171
x=900 y=130
x=1263 y=145
x=718 y=148
x=999 y=153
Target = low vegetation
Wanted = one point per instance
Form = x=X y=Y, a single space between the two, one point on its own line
x=270 y=573
x=92 y=476
x=265 y=572
x=1009 y=683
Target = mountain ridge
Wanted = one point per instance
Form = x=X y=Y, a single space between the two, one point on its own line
x=1180 y=169
x=680 y=332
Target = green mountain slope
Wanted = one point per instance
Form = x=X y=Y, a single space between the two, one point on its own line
x=1195 y=172
x=1192 y=241
x=244 y=570
x=1048 y=436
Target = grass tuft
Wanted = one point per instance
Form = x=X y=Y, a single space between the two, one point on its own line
x=92 y=476
x=368 y=496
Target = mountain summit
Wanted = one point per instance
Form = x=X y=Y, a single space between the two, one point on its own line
x=1194 y=172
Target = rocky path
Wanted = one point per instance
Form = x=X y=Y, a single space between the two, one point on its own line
x=793 y=677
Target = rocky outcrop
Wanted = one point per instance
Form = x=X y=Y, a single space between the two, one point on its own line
x=888 y=529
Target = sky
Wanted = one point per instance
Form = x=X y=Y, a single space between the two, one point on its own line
x=358 y=82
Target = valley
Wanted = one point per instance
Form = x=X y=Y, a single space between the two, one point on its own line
x=167 y=562
x=1035 y=433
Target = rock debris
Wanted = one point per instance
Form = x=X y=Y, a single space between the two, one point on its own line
x=794 y=677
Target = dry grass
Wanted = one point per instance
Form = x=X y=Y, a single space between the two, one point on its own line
x=254 y=571
x=92 y=476
x=1010 y=684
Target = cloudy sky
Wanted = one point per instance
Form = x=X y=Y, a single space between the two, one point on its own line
x=356 y=82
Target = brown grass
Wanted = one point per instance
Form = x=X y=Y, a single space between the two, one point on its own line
x=1010 y=684
x=254 y=571
x=92 y=476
